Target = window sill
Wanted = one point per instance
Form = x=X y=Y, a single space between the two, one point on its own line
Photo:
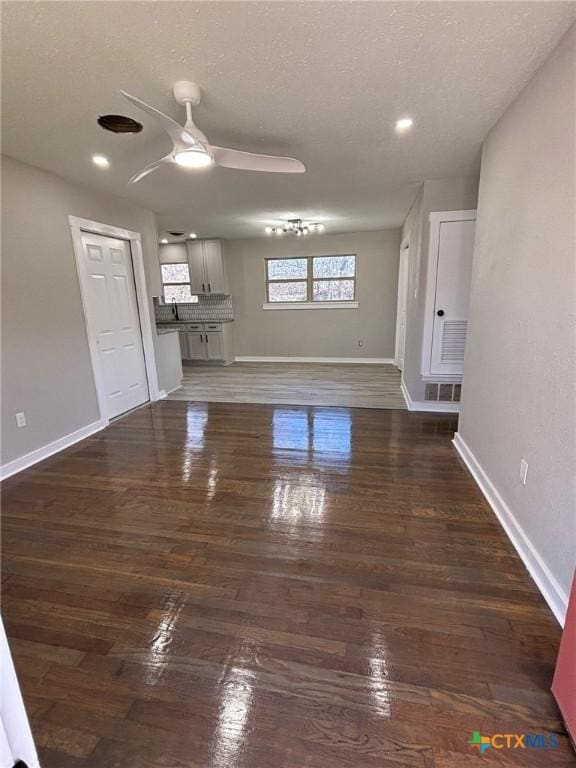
x=312 y=305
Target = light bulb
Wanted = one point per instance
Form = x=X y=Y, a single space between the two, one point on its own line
x=192 y=235
x=269 y=230
x=163 y=241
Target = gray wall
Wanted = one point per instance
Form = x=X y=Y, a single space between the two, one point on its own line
x=520 y=384
x=457 y=194
x=313 y=332
x=46 y=370
x=173 y=253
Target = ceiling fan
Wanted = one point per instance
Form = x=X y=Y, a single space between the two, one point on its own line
x=191 y=148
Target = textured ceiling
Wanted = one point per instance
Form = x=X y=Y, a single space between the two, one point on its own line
x=320 y=81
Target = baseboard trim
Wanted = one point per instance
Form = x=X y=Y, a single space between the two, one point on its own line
x=343 y=360
x=29 y=459
x=551 y=591
x=429 y=406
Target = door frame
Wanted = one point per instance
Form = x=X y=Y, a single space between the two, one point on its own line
x=436 y=218
x=78 y=226
x=402 y=298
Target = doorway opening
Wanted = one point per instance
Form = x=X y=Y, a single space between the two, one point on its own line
x=402 y=304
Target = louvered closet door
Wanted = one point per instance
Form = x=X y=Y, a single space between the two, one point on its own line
x=455 y=252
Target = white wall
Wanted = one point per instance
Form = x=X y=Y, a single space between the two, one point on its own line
x=46 y=370
x=316 y=332
x=457 y=194
x=519 y=387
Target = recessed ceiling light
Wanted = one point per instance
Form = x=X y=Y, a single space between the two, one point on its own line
x=192 y=235
x=163 y=241
x=404 y=124
x=101 y=161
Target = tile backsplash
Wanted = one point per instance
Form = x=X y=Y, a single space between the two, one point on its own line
x=217 y=308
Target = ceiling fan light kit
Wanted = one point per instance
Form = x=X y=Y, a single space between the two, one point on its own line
x=190 y=147
x=295 y=227
x=193 y=158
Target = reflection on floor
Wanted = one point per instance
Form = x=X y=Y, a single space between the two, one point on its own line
x=349 y=385
x=249 y=586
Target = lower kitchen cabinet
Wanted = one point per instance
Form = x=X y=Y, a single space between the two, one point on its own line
x=192 y=345
x=215 y=345
x=207 y=342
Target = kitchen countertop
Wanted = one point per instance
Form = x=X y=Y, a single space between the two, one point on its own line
x=161 y=331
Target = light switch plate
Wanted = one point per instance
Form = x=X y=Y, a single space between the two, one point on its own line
x=21 y=419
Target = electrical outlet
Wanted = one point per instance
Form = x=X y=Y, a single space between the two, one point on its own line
x=21 y=419
x=523 y=471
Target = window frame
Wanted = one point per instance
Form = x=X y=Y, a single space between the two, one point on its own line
x=310 y=280
x=188 y=282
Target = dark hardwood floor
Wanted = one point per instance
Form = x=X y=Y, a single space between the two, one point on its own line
x=255 y=586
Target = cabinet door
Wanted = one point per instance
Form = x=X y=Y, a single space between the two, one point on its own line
x=214 y=266
x=215 y=346
x=196 y=346
x=183 y=336
x=196 y=263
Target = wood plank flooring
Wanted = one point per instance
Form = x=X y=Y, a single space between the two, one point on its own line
x=350 y=385
x=254 y=586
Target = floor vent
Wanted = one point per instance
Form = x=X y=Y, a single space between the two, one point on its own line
x=444 y=393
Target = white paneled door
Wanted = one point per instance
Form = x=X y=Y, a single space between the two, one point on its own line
x=113 y=322
x=451 y=294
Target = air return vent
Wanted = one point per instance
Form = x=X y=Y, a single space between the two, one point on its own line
x=453 y=341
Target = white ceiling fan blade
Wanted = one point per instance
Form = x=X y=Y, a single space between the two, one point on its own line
x=179 y=135
x=247 y=161
x=151 y=167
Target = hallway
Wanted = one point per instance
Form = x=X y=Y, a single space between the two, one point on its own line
x=350 y=385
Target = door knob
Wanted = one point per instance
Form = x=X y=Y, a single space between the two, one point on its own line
x=440 y=313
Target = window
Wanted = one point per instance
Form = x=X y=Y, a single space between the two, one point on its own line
x=311 y=279
x=176 y=283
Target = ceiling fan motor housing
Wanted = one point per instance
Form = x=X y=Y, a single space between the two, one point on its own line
x=186 y=92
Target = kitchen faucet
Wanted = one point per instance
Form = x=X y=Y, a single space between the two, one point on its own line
x=175 y=309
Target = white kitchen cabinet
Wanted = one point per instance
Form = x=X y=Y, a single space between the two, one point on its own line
x=214 y=342
x=214 y=345
x=196 y=264
x=206 y=260
x=195 y=346
x=447 y=292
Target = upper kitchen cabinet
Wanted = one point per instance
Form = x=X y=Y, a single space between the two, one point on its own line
x=206 y=259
